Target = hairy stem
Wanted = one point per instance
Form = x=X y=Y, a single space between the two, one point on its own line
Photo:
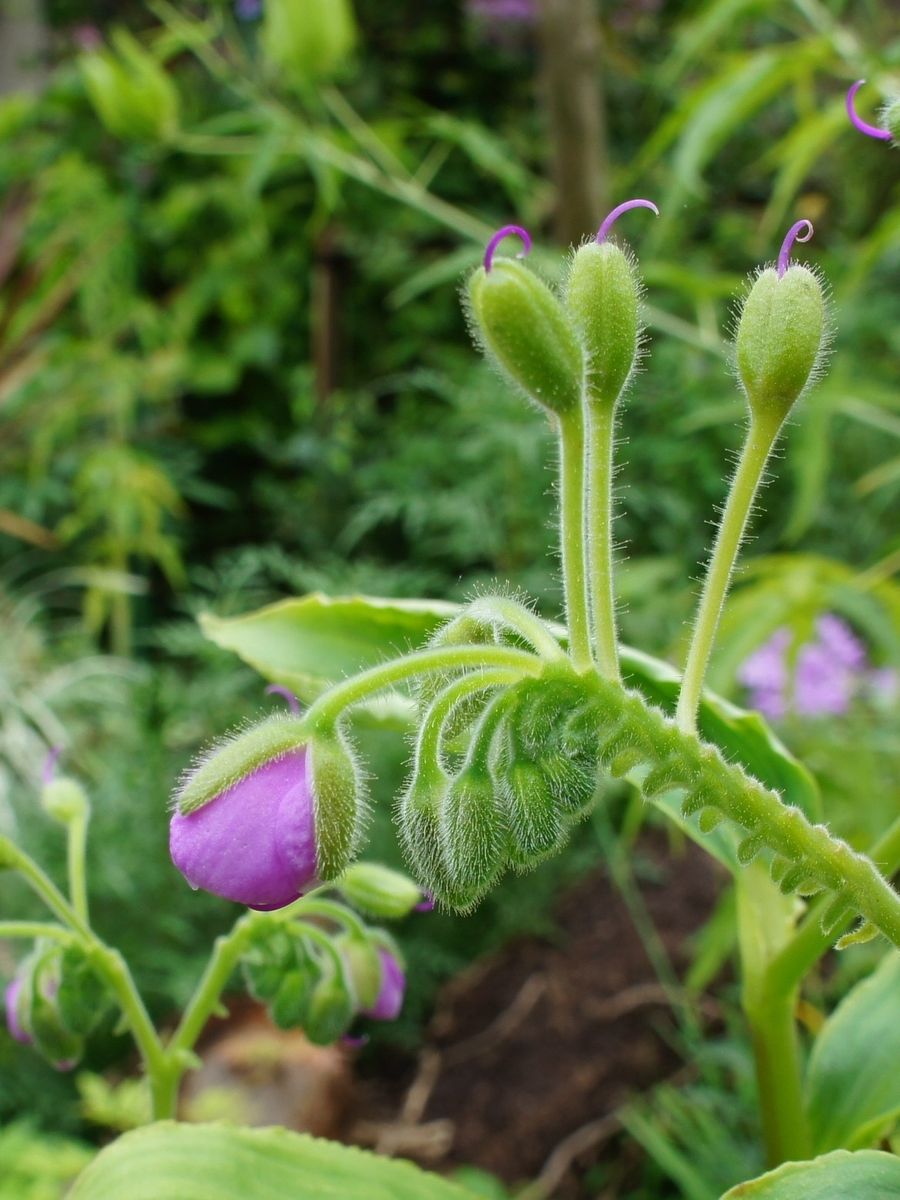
x=601 y=438
x=76 y=850
x=500 y=610
x=757 y=447
x=571 y=483
x=443 y=658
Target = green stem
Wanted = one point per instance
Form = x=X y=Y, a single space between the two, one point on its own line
x=500 y=610
x=108 y=963
x=338 y=913
x=571 y=470
x=599 y=476
x=76 y=850
x=34 y=929
x=776 y=1053
x=757 y=447
x=329 y=707
x=225 y=956
x=428 y=744
x=809 y=943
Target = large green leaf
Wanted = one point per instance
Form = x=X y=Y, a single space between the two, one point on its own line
x=168 y=1161
x=865 y=1175
x=308 y=643
x=853 y=1081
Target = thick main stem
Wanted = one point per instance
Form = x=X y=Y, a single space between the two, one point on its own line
x=760 y=440
x=572 y=530
x=601 y=439
x=779 y=1079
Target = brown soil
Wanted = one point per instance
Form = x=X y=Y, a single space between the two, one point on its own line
x=531 y=1051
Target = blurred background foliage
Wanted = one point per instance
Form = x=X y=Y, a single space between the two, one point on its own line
x=233 y=367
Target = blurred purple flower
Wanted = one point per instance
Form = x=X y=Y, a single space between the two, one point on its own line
x=87 y=38
x=829 y=671
x=517 y=12
x=247 y=10
x=389 y=1000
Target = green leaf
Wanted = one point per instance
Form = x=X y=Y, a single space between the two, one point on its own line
x=169 y=1161
x=853 y=1080
x=865 y=1175
x=309 y=643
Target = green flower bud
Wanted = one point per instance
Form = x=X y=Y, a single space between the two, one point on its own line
x=273 y=954
x=307 y=42
x=891 y=118
x=533 y=818
x=378 y=891
x=331 y=1008
x=363 y=965
x=781 y=334
x=131 y=92
x=82 y=997
x=290 y=1003
x=65 y=800
x=473 y=833
x=519 y=323
x=39 y=1011
x=602 y=298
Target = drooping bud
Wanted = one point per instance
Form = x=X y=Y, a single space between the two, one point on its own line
x=890 y=118
x=269 y=814
x=308 y=42
x=331 y=1007
x=33 y=1012
x=82 y=996
x=602 y=298
x=521 y=325
x=389 y=997
x=473 y=833
x=273 y=955
x=132 y=93
x=378 y=891
x=781 y=333
x=533 y=818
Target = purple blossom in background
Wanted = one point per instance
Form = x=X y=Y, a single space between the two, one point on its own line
x=247 y=10
x=515 y=12
x=828 y=672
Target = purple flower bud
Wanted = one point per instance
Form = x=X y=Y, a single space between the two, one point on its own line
x=15 y=1027
x=871 y=131
x=255 y=842
x=389 y=1000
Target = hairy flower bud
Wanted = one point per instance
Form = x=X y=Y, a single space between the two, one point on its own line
x=307 y=42
x=33 y=1011
x=603 y=299
x=473 y=832
x=331 y=1008
x=378 y=891
x=533 y=818
x=781 y=334
x=520 y=323
x=16 y=1018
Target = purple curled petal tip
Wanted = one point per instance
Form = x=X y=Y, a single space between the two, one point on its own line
x=800 y=231
x=50 y=762
x=871 y=131
x=427 y=903
x=275 y=689
x=611 y=218
x=507 y=231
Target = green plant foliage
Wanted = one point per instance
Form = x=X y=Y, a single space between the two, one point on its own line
x=853 y=1078
x=865 y=1175
x=214 y=1162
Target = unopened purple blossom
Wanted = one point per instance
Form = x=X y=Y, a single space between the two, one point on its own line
x=248 y=10
x=13 y=1024
x=389 y=1000
x=254 y=843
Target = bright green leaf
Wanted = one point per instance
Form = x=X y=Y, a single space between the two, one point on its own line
x=853 y=1081
x=866 y=1175
x=169 y=1161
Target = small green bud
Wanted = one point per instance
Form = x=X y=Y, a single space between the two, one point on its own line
x=473 y=832
x=331 y=1008
x=273 y=954
x=520 y=323
x=290 y=1002
x=39 y=1005
x=781 y=335
x=309 y=41
x=65 y=800
x=378 y=891
x=363 y=965
x=602 y=298
x=82 y=996
x=532 y=815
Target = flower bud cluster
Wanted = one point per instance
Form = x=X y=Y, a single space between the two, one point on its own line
x=505 y=791
x=55 y=1000
x=323 y=981
x=133 y=95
